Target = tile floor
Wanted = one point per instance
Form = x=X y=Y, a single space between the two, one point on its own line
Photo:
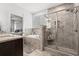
x=29 y=51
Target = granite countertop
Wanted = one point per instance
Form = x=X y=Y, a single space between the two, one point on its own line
x=8 y=37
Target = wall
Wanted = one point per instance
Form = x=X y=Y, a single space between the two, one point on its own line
x=4 y=17
x=27 y=23
x=61 y=7
x=6 y=9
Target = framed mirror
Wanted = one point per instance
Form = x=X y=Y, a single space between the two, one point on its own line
x=16 y=24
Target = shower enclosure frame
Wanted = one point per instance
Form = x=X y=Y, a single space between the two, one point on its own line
x=57 y=26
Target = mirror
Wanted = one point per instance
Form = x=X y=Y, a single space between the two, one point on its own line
x=16 y=24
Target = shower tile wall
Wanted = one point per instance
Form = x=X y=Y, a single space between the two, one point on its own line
x=77 y=41
x=60 y=7
x=65 y=29
x=67 y=35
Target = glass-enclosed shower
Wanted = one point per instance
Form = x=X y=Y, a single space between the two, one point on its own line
x=64 y=30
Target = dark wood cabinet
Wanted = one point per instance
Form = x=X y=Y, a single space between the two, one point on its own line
x=12 y=48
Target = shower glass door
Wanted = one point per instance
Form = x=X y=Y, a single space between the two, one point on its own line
x=64 y=29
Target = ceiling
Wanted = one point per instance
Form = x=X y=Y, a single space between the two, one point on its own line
x=35 y=7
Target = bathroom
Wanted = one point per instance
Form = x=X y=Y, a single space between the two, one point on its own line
x=51 y=30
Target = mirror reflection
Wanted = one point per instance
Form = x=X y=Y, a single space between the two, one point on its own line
x=16 y=24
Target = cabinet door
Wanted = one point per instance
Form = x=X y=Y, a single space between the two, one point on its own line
x=11 y=48
x=19 y=47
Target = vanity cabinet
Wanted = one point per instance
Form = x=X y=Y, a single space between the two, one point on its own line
x=12 y=48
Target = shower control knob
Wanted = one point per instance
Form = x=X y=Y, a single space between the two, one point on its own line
x=76 y=30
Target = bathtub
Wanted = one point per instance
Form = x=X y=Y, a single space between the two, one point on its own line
x=33 y=36
x=33 y=40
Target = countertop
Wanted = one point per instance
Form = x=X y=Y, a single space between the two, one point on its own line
x=7 y=37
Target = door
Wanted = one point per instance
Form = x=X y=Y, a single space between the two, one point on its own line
x=67 y=30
